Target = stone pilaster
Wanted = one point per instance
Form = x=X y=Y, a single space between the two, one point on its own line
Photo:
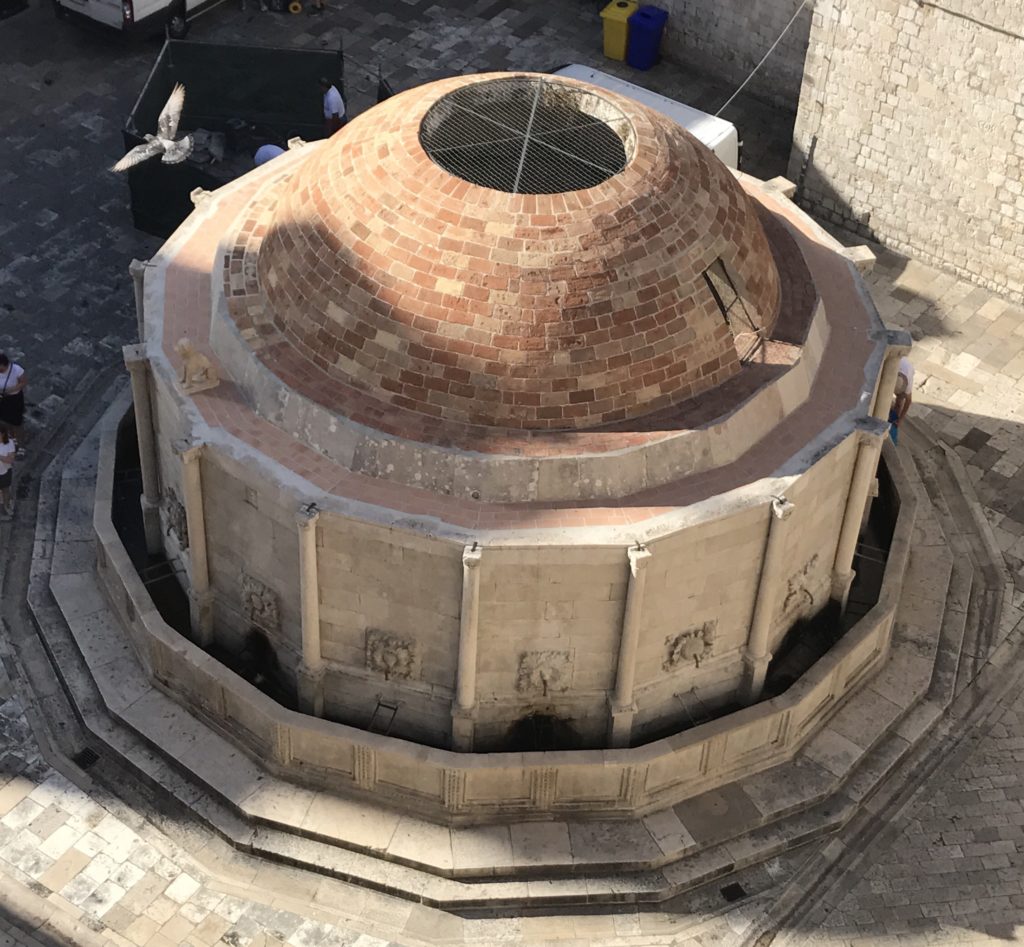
x=623 y=708
x=137 y=363
x=200 y=595
x=464 y=707
x=887 y=382
x=311 y=670
x=864 y=470
x=137 y=270
x=757 y=656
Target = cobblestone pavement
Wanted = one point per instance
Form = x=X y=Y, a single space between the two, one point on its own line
x=80 y=867
x=956 y=873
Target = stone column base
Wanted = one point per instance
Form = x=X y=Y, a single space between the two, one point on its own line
x=200 y=609
x=311 y=690
x=620 y=725
x=463 y=727
x=841 y=584
x=755 y=670
x=151 y=525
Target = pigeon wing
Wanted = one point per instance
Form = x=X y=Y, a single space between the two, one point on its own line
x=137 y=155
x=178 y=151
x=167 y=123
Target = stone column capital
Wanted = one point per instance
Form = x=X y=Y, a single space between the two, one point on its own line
x=782 y=508
x=135 y=355
x=899 y=342
x=872 y=432
x=188 y=450
x=471 y=556
x=638 y=556
x=137 y=267
x=307 y=516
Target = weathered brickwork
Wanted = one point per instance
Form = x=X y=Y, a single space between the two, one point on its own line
x=543 y=312
x=916 y=120
x=727 y=38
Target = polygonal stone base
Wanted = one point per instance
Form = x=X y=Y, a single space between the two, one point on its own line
x=562 y=861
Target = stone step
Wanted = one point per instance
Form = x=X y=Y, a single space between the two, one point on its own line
x=713 y=861
x=971 y=537
x=928 y=462
x=528 y=864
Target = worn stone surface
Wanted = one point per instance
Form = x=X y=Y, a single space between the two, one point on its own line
x=926 y=155
x=728 y=39
x=66 y=308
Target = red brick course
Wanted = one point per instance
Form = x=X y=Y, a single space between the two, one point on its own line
x=389 y=276
x=836 y=389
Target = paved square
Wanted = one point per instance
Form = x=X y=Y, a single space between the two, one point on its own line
x=75 y=869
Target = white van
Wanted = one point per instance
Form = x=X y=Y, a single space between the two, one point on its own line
x=719 y=135
x=144 y=17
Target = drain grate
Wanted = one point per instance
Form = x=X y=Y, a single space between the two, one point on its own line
x=527 y=135
x=733 y=892
x=85 y=758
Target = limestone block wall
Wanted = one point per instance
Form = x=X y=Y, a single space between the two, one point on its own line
x=727 y=38
x=460 y=789
x=699 y=598
x=549 y=629
x=916 y=120
x=550 y=615
x=170 y=427
x=812 y=537
x=389 y=624
x=253 y=551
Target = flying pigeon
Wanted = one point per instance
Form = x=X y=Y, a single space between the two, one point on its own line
x=162 y=143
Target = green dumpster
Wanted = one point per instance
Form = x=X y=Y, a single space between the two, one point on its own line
x=616 y=27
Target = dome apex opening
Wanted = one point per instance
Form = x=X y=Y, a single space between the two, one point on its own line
x=527 y=135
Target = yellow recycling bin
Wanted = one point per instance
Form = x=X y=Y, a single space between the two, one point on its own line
x=616 y=27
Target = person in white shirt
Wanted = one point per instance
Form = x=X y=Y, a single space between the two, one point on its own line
x=7 y=454
x=334 y=107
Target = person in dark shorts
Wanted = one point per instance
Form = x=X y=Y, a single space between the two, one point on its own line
x=12 y=395
x=7 y=451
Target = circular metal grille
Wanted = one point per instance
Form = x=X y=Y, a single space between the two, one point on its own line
x=527 y=135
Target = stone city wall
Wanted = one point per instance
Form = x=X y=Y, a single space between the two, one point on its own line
x=916 y=119
x=727 y=38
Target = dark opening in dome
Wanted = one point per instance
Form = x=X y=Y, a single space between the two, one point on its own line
x=527 y=135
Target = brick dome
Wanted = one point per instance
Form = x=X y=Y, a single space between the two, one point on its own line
x=398 y=273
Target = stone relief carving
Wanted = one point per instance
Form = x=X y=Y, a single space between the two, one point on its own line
x=694 y=644
x=544 y=672
x=259 y=604
x=797 y=592
x=177 y=520
x=391 y=656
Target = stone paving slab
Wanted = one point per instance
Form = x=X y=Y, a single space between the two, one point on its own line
x=65 y=305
